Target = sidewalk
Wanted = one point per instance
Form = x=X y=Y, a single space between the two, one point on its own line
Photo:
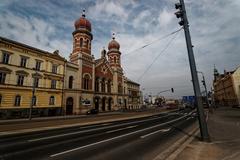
x=38 y=119
x=42 y=125
x=224 y=130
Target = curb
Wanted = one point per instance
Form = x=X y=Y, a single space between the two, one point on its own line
x=174 y=150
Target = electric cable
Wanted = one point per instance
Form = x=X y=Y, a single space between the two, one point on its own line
x=164 y=49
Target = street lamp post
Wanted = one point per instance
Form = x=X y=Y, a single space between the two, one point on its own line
x=205 y=87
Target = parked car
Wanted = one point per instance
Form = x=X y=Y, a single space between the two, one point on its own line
x=92 y=111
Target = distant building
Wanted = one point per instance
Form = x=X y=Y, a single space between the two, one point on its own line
x=134 y=94
x=64 y=87
x=227 y=87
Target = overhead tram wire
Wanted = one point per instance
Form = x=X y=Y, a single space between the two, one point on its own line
x=146 y=45
x=164 y=49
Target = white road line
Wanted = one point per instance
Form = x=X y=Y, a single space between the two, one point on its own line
x=161 y=130
x=121 y=129
x=94 y=129
x=110 y=139
x=189 y=118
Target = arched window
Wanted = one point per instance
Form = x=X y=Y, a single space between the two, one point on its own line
x=103 y=85
x=87 y=43
x=52 y=100
x=17 y=100
x=81 y=42
x=70 y=82
x=86 y=82
x=0 y=99
x=119 y=88
x=115 y=59
x=109 y=86
x=97 y=84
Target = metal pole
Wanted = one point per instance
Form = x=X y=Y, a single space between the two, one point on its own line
x=201 y=116
x=205 y=87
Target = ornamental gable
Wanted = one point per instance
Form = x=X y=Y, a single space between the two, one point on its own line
x=103 y=70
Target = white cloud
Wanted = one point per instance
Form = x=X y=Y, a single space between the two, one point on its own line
x=106 y=9
x=165 y=17
x=213 y=25
x=143 y=20
x=33 y=31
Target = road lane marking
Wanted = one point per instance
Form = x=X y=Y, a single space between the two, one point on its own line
x=121 y=129
x=189 y=118
x=114 y=138
x=161 y=130
x=94 y=129
x=104 y=124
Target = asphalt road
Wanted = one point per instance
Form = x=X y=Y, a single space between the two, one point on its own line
x=141 y=138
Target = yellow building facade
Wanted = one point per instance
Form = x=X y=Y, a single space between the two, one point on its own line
x=23 y=68
x=227 y=88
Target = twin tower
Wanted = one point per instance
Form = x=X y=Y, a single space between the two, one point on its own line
x=82 y=38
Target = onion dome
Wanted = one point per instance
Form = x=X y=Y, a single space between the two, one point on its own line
x=113 y=44
x=83 y=23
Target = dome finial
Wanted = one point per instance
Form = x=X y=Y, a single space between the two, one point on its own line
x=103 y=53
x=113 y=35
x=83 y=13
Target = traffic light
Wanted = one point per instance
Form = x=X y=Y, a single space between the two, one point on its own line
x=179 y=13
x=172 y=90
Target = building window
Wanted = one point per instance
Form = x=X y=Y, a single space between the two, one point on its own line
x=52 y=100
x=86 y=82
x=34 y=100
x=81 y=42
x=53 y=84
x=109 y=86
x=97 y=84
x=6 y=57
x=23 y=62
x=2 y=77
x=36 y=82
x=87 y=43
x=20 y=80
x=70 y=82
x=119 y=88
x=17 y=100
x=54 y=68
x=103 y=85
x=0 y=99
x=38 y=65
x=115 y=59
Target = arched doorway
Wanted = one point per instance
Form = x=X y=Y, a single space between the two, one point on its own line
x=69 y=106
x=103 y=103
x=96 y=102
x=110 y=103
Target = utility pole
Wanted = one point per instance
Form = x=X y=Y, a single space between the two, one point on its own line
x=33 y=97
x=184 y=22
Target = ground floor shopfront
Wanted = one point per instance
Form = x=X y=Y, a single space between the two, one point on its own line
x=78 y=102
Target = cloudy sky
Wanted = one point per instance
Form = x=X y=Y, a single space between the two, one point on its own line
x=214 y=26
